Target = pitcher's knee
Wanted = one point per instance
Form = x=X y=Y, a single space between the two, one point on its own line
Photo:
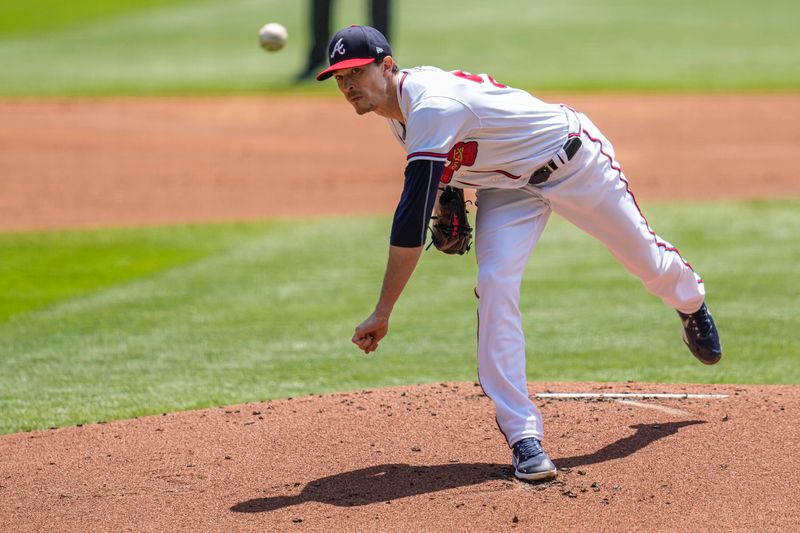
x=496 y=280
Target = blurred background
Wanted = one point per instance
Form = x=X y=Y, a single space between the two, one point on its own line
x=50 y=47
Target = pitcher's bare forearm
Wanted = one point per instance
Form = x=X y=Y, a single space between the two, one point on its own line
x=400 y=266
x=406 y=241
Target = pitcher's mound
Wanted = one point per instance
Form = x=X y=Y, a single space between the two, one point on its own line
x=424 y=458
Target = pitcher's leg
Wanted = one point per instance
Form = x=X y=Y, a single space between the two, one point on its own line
x=596 y=198
x=508 y=226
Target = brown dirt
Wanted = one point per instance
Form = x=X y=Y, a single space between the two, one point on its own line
x=425 y=458
x=145 y=161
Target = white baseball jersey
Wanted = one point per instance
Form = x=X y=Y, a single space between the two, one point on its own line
x=492 y=138
x=488 y=134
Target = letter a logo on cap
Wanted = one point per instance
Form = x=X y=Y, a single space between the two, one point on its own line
x=338 y=48
x=355 y=46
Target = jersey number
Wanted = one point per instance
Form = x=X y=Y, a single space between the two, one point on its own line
x=476 y=78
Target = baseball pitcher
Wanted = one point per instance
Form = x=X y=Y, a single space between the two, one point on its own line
x=526 y=159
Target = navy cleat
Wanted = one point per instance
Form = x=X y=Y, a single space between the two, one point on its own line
x=700 y=335
x=530 y=462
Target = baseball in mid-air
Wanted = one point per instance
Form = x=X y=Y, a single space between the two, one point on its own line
x=272 y=36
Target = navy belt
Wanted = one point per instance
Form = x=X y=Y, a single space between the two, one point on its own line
x=543 y=174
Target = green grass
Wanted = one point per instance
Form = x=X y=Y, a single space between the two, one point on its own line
x=39 y=269
x=191 y=47
x=100 y=325
x=37 y=16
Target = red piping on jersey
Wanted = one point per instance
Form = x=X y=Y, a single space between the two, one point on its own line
x=467 y=183
x=400 y=88
x=503 y=172
x=426 y=154
x=628 y=190
x=577 y=133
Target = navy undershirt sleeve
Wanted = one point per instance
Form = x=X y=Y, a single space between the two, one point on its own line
x=416 y=203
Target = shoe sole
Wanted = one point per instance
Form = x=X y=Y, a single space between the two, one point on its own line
x=704 y=361
x=537 y=476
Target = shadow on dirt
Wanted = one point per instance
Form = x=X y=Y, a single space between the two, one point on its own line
x=382 y=483
x=387 y=482
x=645 y=434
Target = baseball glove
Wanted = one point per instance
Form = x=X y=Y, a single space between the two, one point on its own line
x=450 y=230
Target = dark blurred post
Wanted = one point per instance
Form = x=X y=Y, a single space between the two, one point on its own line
x=379 y=15
x=320 y=24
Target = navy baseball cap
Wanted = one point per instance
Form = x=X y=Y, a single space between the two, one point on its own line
x=355 y=46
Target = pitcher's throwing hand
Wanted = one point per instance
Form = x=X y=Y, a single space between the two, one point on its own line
x=370 y=332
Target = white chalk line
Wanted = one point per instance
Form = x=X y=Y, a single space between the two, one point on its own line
x=626 y=395
x=656 y=407
x=625 y=398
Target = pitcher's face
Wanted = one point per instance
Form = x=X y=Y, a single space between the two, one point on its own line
x=364 y=87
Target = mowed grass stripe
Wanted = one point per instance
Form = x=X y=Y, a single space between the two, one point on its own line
x=270 y=314
x=211 y=46
x=41 y=268
x=38 y=16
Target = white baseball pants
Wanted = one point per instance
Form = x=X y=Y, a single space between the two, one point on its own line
x=591 y=192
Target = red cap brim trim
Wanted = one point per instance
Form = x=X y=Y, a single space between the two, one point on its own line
x=347 y=63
